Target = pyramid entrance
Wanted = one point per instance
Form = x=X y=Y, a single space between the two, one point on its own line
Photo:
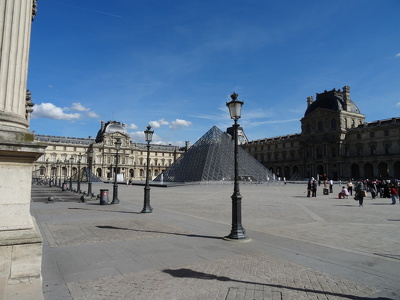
x=211 y=158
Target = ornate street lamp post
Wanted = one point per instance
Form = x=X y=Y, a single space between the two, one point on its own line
x=89 y=174
x=148 y=134
x=71 y=160
x=78 y=189
x=237 y=231
x=115 y=190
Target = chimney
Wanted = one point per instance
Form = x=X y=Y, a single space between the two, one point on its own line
x=310 y=100
x=346 y=98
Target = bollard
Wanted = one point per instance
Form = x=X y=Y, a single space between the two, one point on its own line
x=50 y=199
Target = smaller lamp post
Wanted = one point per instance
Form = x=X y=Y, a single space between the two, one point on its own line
x=237 y=231
x=71 y=160
x=89 y=174
x=59 y=163
x=115 y=189
x=78 y=189
x=65 y=170
x=148 y=135
x=47 y=169
x=51 y=175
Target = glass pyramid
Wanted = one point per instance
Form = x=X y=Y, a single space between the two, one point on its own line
x=84 y=174
x=211 y=158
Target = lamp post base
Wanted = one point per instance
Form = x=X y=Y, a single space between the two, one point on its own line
x=237 y=234
x=89 y=192
x=146 y=206
x=237 y=230
x=243 y=240
x=115 y=199
x=147 y=209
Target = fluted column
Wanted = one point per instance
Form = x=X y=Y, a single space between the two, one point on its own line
x=15 y=30
x=21 y=243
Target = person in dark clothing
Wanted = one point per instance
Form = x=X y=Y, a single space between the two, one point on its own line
x=309 y=188
x=314 y=188
x=360 y=193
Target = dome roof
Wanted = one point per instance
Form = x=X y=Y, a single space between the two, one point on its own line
x=110 y=127
x=332 y=100
x=115 y=127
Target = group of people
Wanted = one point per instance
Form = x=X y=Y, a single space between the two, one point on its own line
x=377 y=188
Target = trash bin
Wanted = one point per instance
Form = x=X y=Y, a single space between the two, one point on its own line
x=64 y=186
x=103 y=197
x=326 y=192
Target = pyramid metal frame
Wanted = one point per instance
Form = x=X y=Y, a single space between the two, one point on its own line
x=84 y=176
x=211 y=158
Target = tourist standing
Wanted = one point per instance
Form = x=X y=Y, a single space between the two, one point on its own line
x=393 y=192
x=314 y=188
x=309 y=187
x=373 y=189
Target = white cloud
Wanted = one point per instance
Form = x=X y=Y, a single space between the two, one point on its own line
x=138 y=136
x=398 y=104
x=79 y=107
x=50 y=111
x=157 y=124
x=254 y=124
x=92 y=114
x=132 y=126
x=398 y=55
x=178 y=123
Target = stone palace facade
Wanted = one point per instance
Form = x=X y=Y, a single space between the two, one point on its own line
x=335 y=142
x=56 y=163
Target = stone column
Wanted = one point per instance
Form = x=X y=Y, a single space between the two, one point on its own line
x=20 y=240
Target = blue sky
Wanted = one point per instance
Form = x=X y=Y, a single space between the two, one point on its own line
x=173 y=64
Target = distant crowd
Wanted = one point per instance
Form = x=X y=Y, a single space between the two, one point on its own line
x=376 y=188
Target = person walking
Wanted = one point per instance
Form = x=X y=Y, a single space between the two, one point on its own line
x=331 y=186
x=350 y=187
x=360 y=193
x=394 y=194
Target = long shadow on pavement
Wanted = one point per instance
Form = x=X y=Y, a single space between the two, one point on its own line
x=117 y=211
x=188 y=273
x=152 y=231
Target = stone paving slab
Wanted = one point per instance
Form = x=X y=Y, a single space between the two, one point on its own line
x=256 y=276
x=300 y=248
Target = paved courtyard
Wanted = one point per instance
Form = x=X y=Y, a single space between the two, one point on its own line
x=298 y=248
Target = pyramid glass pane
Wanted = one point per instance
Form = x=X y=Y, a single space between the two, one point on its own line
x=211 y=158
x=84 y=174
